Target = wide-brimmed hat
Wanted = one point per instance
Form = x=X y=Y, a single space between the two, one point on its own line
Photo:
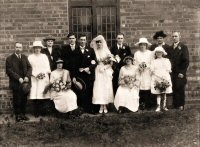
x=50 y=37
x=160 y=49
x=128 y=57
x=143 y=40
x=38 y=44
x=159 y=34
x=59 y=61
x=80 y=84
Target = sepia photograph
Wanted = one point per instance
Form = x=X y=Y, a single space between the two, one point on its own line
x=99 y=73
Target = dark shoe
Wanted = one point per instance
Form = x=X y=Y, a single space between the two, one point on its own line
x=25 y=118
x=18 y=118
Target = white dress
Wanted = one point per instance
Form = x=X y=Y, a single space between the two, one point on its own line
x=161 y=68
x=125 y=96
x=145 y=76
x=40 y=64
x=64 y=101
x=103 y=89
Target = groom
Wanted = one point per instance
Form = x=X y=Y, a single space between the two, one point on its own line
x=85 y=63
x=120 y=50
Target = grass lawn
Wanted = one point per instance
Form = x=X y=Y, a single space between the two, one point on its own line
x=169 y=129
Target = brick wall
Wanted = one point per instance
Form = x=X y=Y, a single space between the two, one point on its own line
x=26 y=21
x=145 y=17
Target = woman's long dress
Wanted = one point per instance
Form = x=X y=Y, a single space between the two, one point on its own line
x=125 y=96
x=147 y=57
x=161 y=68
x=64 y=101
x=103 y=89
x=40 y=64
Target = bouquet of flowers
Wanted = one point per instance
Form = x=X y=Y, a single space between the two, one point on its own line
x=161 y=85
x=40 y=76
x=127 y=81
x=107 y=60
x=59 y=85
x=142 y=66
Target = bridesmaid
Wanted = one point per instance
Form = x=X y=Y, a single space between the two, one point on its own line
x=127 y=96
x=40 y=77
x=143 y=58
x=103 y=89
x=64 y=98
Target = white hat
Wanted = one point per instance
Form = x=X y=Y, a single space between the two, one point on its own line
x=38 y=44
x=143 y=40
x=160 y=49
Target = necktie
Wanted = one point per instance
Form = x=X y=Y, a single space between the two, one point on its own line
x=82 y=49
x=19 y=56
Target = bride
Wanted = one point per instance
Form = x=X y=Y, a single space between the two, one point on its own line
x=102 y=90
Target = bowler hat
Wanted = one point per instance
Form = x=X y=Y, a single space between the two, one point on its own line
x=159 y=34
x=25 y=87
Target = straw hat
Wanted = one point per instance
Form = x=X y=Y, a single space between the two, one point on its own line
x=143 y=40
x=160 y=49
x=128 y=57
x=59 y=61
x=38 y=44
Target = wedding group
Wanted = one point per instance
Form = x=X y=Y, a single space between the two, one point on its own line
x=91 y=76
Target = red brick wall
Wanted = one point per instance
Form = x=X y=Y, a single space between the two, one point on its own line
x=25 y=21
x=144 y=17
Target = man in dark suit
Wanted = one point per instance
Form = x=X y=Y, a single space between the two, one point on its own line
x=85 y=63
x=159 y=37
x=19 y=71
x=52 y=51
x=179 y=57
x=120 y=50
x=67 y=53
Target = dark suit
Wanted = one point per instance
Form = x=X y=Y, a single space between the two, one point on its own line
x=122 y=53
x=15 y=69
x=179 y=58
x=68 y=55
x=53 y=57
x=84 y=60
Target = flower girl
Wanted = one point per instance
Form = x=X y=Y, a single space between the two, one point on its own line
x=161 y=81
x=127 y=96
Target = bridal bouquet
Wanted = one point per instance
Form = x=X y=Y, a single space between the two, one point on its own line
x=161 y=85
x=107 y=60
x=127 y=81
x=142 y=66
x=40 y=76
x=59 y=85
